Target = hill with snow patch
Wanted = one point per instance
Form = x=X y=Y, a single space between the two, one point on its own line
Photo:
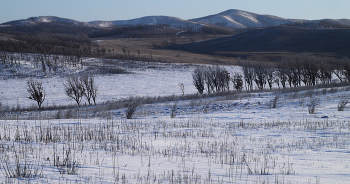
x=243 y=19
x=150 y=20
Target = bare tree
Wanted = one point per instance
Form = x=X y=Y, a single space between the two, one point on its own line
x=124 y=50
x=90 y=88
x=260 y=73
x=222 y=76
x=198 y=80
x=346 y=69
x=270 y=77
x=74 y=88
x=138 y=52
x=36 y=91
x=325 y=73
x=339 y=73
x=281 y=73
x=237 y=81
x=248 y=73
x=182 y=88
x=309 y=70
x=209 y=79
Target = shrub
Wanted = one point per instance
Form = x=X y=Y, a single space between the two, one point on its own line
x=274 y=102
x=342 y=103
x=131 y=109
x=182 y=88
x=173 y=110
x=21 y=169
x=312 y=105
x=68 y=165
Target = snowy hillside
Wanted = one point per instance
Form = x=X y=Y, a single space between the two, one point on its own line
x=242 y=19
x=150 y=20
x=235 y=138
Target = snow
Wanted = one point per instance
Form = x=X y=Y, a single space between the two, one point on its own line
x=224 y=139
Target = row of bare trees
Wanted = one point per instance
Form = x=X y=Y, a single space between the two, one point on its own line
x=7 y=58
x=211 y=79
x=75 y=87
x=53 y=63
x=301 y=70
x=47 y=62
x=49 y=43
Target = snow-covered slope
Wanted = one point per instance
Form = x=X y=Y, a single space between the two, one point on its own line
x=242 y=19
x=47 y=19
x=150 y=20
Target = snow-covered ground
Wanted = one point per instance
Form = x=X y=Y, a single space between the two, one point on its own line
x=227 y=139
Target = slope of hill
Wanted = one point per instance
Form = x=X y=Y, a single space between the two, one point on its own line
x=150 y=20
x=242 y=19
x=277 y=39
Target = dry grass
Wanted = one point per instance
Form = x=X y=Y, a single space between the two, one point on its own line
x=147 y=49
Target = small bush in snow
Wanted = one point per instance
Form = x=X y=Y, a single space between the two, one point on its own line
x=274 y=102
x=342 y=103
x=312 y=105
x=21 y=168
x=131 y=109
x=182 y=88
x=173 y=110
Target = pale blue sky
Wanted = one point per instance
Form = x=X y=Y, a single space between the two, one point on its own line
x=89 y=10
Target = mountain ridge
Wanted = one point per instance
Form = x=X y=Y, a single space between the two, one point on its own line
x=232 y=18
x=149 y=20
x=46 y=19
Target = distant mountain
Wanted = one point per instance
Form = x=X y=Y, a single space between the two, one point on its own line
x=228 y=19
x=48 y=24
x=276 y=39
x=242 y=19
x=46 y=19
x=150 y=20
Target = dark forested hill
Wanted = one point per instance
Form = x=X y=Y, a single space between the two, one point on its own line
x=276 y=39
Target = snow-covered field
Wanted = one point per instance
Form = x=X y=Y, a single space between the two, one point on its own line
x=227 y=139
